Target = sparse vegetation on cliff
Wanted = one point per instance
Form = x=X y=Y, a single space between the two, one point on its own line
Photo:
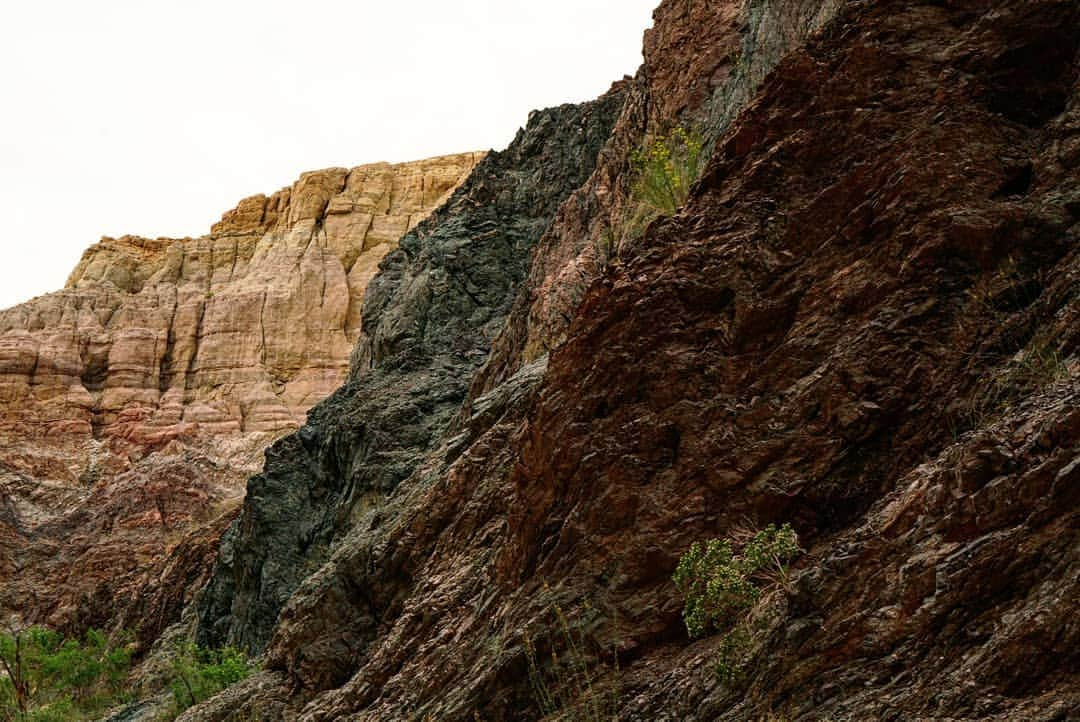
x=570 y=686
x=199 y=673
x=664 y=171
x=1036 y=366
x=719 y=584
x=726 y=590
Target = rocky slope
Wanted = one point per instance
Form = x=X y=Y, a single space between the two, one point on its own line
x=137 y=400
x=343 y=464
x=863 y=322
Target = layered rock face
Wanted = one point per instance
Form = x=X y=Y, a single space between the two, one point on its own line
x=883 y=241
x=864 y=322
x=241 y=330
x=137 y=400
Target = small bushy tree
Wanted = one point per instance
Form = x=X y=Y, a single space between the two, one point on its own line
x=45 y=676
x=199 y=674
x=718 y=585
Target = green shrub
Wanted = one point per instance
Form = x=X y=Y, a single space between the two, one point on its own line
x=199 y=674
x=664 y=171
x=733 y=645
x=719 y=585
x=44 y=676
x=722 y=588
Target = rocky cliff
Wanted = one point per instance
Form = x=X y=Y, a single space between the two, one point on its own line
x=429 y=319
x=862 y=322
x=137 y=400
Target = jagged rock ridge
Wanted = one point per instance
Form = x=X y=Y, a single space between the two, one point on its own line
x=429 y=318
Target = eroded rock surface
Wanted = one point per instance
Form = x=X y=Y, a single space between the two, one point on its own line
x=863 y=322
x=138 y=400
x=429 y=318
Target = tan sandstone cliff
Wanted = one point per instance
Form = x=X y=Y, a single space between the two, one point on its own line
x=136 y=401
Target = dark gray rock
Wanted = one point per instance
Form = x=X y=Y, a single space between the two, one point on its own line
x=429 y=317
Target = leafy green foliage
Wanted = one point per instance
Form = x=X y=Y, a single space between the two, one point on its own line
x=721 y=588
x=719 y=585
x=733 y=645
x=199 y=674
x=665 y=169
x=45 y=676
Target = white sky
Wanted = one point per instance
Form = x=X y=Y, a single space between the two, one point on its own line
x=153 y=117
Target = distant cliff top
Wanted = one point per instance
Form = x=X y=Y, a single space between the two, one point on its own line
x=359 y=208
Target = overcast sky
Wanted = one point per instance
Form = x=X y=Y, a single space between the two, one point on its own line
x=153 y=117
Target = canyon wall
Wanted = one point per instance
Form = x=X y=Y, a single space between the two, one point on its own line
x=863 y=322
x=137 y=400
x=429 y=318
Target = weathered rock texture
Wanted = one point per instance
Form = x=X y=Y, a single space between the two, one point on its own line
x=703 y=60
x=864 y=322
x=429 y=318
x=138 y=400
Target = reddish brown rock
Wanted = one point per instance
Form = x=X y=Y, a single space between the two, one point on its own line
x=703 y=61
x=863 y=322
x=842 y=329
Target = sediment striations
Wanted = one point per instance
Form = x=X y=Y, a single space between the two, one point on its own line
x=238 y=331
x=864 y=322
x=138 y=400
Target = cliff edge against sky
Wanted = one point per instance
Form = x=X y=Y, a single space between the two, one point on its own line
x=137 y=400
x=863 y=321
